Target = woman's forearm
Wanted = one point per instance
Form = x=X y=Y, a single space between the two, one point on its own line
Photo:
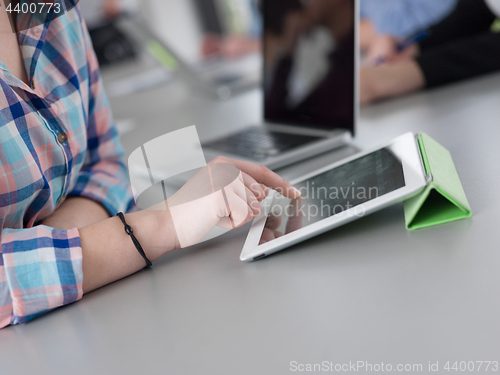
x=76 y=212
x=109 y=253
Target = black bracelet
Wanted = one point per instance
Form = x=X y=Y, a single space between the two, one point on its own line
x=130 y=232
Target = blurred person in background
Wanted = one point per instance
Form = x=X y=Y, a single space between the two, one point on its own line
x=461 y=46
x=236 y=45
x=386 y=23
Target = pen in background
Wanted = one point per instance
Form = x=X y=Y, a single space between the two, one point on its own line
x=408 y=42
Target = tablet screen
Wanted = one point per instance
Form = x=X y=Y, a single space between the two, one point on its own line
x=335 y=191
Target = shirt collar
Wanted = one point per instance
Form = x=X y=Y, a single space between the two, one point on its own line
x=31 y=37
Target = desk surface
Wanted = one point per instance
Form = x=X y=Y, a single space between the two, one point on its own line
x=369 y=291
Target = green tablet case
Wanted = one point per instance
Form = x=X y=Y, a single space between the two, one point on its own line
x=443 y=199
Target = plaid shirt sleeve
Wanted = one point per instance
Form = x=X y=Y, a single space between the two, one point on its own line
x=41 y=267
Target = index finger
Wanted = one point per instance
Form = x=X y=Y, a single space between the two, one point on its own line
x=263 y=175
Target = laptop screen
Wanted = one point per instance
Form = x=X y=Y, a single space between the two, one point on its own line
x=309 y=63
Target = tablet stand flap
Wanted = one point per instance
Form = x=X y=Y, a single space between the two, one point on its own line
x=443 y=199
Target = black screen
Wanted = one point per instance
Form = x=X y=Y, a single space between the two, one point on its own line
x=309 y=63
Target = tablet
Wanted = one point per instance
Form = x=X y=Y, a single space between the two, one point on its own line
x=337 y=194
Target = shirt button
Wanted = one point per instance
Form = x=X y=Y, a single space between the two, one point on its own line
x=62 y=137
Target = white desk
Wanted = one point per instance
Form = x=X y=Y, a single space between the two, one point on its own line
x=369 y=291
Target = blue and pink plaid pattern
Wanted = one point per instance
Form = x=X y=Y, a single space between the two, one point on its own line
x=40 y=267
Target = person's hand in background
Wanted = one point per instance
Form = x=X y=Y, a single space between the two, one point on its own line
x=389 y=71
x=389 y=80
x=367 y=34
x=381 y=48
x=211 y=46
x=230 y=47
x=385 y=48
x=112 y=9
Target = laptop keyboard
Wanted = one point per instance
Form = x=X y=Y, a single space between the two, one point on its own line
x=259 y=143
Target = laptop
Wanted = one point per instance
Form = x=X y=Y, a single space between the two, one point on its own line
x=310 y=70
x=218 y=78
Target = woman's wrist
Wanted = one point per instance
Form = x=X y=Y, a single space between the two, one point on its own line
x=155 y=231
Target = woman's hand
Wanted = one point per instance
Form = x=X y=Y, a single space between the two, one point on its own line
x=226 y=193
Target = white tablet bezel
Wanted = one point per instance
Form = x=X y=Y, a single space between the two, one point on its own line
x=404 y=147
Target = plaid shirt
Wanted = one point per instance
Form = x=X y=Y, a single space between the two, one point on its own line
x=57 y=139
